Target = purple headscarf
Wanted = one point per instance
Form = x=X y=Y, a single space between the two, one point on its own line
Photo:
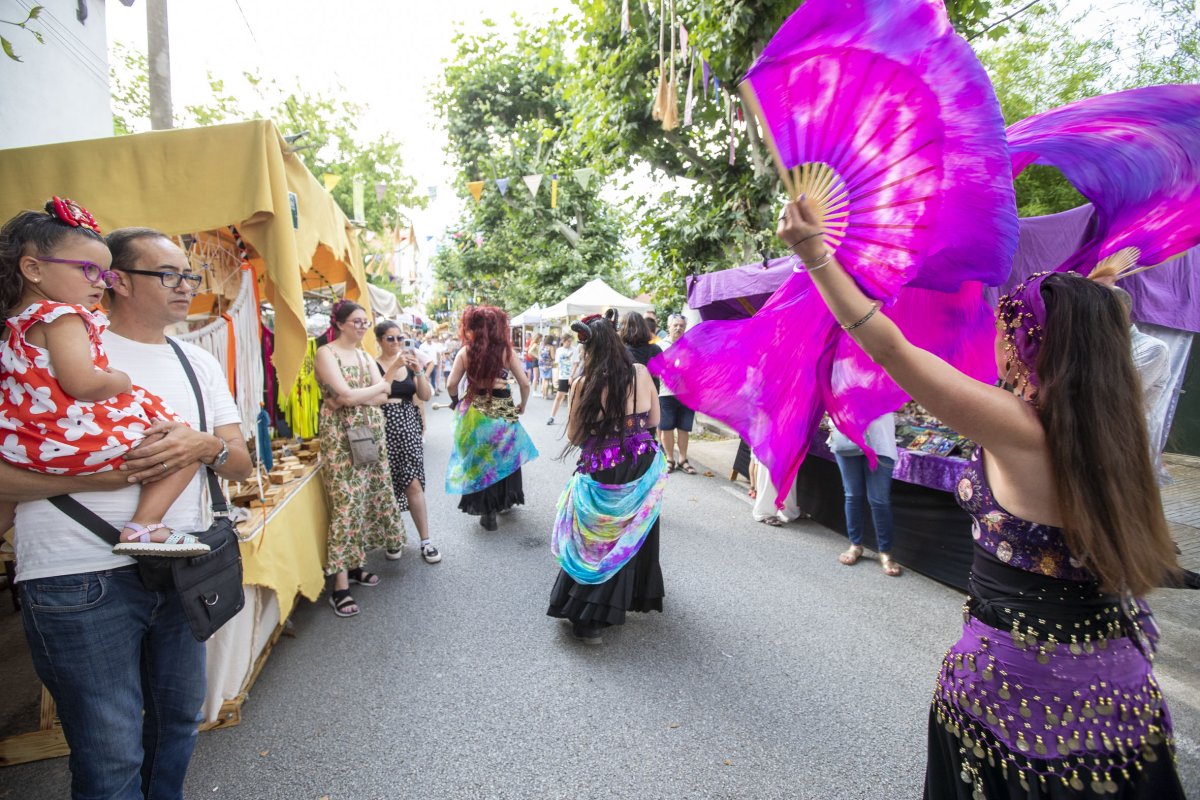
x=1023 y=314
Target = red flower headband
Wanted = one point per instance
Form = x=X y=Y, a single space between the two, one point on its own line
x=73 y=214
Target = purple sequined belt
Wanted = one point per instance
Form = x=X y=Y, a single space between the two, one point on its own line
x=1080 y=716
x=607 y=453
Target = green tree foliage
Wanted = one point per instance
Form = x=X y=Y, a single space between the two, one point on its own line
x=30 y=16
x=332 y=141
x=505 y=113
x=719 y=209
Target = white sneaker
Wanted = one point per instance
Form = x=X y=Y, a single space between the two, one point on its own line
x=430 y=553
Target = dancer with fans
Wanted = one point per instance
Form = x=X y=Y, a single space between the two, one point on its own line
x=1069 y=530
x=490 y=445
x=606 y=533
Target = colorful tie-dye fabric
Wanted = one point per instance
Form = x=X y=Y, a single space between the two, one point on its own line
x=487 y=448
x=601 y=526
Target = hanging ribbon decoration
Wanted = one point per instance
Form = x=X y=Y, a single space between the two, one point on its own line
x=554 y=191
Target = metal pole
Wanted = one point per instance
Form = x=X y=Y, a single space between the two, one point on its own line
x=159 y=60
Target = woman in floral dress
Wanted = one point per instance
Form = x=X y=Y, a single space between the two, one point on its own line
x=363 y=513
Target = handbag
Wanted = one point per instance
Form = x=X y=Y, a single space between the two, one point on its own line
x=364 y=449
x=209 y=585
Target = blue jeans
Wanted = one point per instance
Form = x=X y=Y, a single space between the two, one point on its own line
x=108 y=650
x=864 y=486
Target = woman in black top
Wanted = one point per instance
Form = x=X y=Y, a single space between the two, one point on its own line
x=406 y=447
x=637 y=333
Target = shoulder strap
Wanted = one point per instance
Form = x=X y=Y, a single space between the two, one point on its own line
x=97 y=524
x=219 y=504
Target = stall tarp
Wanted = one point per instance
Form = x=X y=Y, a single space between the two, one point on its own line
x=383 y=302
x=197 y=179
x=1163 y=296
x=592 y=298
x=530 y=316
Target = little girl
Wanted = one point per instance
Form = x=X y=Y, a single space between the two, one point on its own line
x=63 y=411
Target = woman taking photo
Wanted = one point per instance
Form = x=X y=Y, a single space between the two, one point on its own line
x=1049 y=692
x=489 y=443
x=606 y=533
x=638 y=337
x=363 y=514
x=405 y=439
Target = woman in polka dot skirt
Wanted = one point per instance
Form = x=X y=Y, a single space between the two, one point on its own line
x=405 y=432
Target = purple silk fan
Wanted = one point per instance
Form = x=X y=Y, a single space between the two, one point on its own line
x=1136 y=156
x=884 y=118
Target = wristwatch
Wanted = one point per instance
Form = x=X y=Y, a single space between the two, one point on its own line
x=221 y=457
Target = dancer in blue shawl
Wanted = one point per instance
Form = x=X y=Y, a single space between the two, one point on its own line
x=606 y=532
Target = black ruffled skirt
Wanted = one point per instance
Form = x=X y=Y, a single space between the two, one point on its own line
x=638 y=586
x=500 y=496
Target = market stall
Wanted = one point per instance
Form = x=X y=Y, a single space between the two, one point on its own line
x=262 y=231
x=592 y=298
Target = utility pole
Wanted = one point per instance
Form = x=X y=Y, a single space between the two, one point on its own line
x=159 y=60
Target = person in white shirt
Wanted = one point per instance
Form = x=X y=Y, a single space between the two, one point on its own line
x=865 y=486
x=120 y=660
x=567 y=359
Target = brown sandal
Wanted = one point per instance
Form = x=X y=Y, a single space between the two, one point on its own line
x=851 y=556
x=889 y=565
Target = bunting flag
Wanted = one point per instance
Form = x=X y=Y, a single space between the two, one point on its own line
x=433 y=193
x=626 y=23
x=331 y=180
x=476 y=189
x=706 y=74
x=534 y=182
x=584 y=177
x=689 y=100
x=683 y=38
x=359 y=200
x=380 y=192
x=502 y=185
x=554 y=191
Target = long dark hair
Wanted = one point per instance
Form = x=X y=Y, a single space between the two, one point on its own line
x=635 y=330
x=1090 y=403
x=30 y=233
x=484 y=332
x=608 y=374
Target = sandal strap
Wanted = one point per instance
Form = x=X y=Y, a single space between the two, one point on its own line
x=180 y=538
x=141 y=533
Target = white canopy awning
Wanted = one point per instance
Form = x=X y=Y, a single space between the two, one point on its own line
x=530 y=316
x=592 y=298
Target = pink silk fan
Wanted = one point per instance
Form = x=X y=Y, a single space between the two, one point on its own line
x=883 y=117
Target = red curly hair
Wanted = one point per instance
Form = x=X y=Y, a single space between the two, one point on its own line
x=485 y=334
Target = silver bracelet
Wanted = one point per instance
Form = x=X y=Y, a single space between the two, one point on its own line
x=863 y=321
x=820 y=263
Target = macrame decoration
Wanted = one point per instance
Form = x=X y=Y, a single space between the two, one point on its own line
x=670 y=112
x=660 y=94
x=233 y=339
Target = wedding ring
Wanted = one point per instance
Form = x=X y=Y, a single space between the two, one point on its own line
x=164 y=465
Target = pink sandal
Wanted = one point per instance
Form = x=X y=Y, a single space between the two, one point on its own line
x=172 y=545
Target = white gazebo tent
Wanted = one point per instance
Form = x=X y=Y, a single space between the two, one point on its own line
x=592 y=298
x=530 y=316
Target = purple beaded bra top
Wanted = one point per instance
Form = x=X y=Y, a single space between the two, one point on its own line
x=1030 y=546
x=605 y=452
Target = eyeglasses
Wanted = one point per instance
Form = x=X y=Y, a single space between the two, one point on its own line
x=359 y=323
x=170 y=280
x=91 y=272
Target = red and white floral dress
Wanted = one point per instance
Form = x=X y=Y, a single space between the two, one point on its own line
x=44 y=429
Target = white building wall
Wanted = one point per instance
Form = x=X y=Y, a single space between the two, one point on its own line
x=59 y=90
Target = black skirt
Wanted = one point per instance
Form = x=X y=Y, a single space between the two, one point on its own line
x=500 y=496
x=638 y=586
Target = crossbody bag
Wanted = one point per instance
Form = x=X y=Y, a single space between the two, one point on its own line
x=364 y=447
x=209 y=585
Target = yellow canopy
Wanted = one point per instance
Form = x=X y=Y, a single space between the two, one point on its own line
x=199 y=179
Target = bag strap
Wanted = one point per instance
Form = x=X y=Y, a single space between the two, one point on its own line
x=101 y=527
x=220 y=505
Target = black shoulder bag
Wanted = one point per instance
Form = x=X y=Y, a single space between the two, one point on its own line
x=209 y=585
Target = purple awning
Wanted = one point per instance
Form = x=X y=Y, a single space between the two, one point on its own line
x=1165 y=295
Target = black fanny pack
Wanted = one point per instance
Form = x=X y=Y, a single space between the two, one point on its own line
x=209 y=585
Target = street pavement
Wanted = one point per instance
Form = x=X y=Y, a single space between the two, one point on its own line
x=774 y=672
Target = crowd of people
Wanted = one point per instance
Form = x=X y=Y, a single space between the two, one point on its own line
x=1050 y=684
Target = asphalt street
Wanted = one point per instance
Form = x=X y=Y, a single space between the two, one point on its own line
x=774 y=672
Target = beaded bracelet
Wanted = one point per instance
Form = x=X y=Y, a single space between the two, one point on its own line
x=863 y=321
